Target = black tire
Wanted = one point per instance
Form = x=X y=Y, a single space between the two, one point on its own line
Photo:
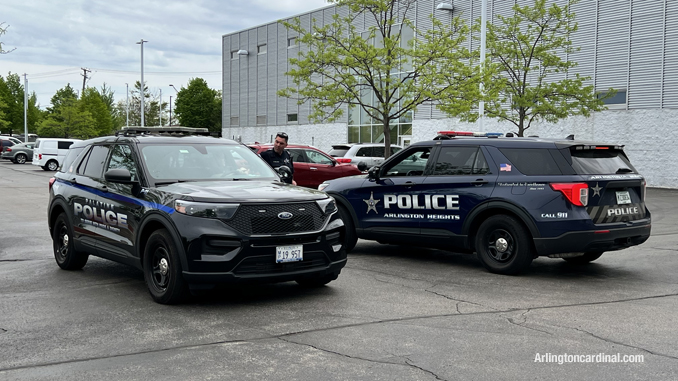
x=64 y=250
x=586 y=258
x=317 y=281
x=350 y=236
x=504 y=245
x=20 y=158
x=51 y=165
x=162 y=269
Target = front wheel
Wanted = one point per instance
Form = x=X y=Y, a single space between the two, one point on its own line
x=162 y=269
x=351 y=238
x=504 y=245
x=586 y=258
x=64 y=249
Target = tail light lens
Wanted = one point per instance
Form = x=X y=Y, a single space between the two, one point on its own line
x=40 y=156
x=343 y=160
x=576 y=193
x=51 y=182
x=8 y=149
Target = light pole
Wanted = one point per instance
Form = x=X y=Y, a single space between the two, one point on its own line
x=177 y=91
x=141 y=42
x=483 y=34
x=160 y=111
x=127 y=107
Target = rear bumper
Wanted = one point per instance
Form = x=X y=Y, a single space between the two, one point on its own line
x=587 y=241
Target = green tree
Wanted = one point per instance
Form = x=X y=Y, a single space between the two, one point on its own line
x=199 y=106
x=386 y=71
x=3 y=30
x=12 y=106
x=63 y=95
x=92 y=101
x=69 y=121
x=152 y=108
x=530 y=78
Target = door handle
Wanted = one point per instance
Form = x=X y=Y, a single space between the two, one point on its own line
x=479 y=182
x=410 y=183
x=313 y=168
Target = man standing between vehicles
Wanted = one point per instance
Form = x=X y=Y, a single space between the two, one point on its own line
x=278 y=156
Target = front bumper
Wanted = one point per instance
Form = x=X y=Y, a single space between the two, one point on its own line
x=591 y=241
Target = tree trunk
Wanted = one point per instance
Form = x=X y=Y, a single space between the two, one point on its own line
x=387 y=138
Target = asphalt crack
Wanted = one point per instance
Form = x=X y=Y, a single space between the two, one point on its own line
x=523 y=324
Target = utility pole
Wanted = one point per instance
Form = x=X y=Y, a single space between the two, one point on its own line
x=25 y=108
x=127 y=108
x=170 y=121
x=160 y=112
x=143 y=93
x=84 y=79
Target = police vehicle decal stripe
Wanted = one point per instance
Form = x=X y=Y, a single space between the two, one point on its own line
x=117 y=197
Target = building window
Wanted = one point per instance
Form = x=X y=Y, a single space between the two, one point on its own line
x=261 y=119
x=292 y=117
x=234 y=55
x=291 y=42
x=235 y=121
x=617 y=101
x=261 y=49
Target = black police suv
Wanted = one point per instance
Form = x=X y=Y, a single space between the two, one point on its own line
x=191 y=212
x=508 y=199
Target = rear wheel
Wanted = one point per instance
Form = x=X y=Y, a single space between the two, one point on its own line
x=20 y=158
x=586 y=258
x=64 y=249
x=51 y=165
x=504 y=245
x=350 y=237
x=162 y=269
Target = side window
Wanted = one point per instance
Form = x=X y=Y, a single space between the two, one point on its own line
x=317 y=158
x=94 y=166
x=364 y=152
x=454 y=161
x=297 y=155
x=64 y=145
x=122 y=157
x=378 y=151
x=413 y=163
x=70 y=159
x=532 y=161
x=394 y=150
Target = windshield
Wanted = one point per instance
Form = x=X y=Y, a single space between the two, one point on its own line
x=193 y=162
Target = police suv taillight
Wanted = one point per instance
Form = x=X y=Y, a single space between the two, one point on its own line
x=576 y=193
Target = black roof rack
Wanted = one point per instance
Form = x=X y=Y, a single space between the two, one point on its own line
x=162 y=130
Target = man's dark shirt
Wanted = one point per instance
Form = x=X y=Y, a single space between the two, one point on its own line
x=275 y=161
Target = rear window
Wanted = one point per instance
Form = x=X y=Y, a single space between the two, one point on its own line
x=70 y=158
x=532 y=161
x=338 y=152
x=600 y=162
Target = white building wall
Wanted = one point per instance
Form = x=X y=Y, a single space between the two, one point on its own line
x=318 y=135
x=645 y=134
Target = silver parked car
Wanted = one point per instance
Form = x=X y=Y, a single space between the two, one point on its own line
x=369 y=153
x=19 y=153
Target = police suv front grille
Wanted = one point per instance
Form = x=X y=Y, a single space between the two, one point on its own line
x=265 y=264
x=264 y=218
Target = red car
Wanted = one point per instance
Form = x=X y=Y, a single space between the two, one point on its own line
x=311 y=165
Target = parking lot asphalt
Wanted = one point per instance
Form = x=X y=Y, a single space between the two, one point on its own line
x=395 y=313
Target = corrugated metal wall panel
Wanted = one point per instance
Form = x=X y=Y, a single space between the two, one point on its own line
x=647 y=30
x=304 y=109
x=283 y=104
x=424 y=9
x=613 y=39
x=584 y=39
x=670 y=94
x=273 y=72
x=227 y=93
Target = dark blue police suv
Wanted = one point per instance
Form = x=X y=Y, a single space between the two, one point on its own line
x=191 y=212
x=509 y=199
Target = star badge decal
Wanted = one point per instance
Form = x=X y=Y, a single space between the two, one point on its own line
x=596 y=190
x=371 y=203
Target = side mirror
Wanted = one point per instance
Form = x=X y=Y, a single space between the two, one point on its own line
x=362 y=166
x=284 y=172
x=119 y=175
x=373 y=173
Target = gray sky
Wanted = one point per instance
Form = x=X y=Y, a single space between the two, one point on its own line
x=55 y=39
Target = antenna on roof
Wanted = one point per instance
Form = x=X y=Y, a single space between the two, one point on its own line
x=570 y=137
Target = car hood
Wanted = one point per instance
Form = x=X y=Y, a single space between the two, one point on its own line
x=242 y=191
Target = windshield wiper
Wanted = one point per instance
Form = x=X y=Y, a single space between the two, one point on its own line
x=624 y=170
x=169 y=182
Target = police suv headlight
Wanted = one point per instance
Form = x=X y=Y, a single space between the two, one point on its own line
x=328 y=205
x=205 y=209
x=322 y=186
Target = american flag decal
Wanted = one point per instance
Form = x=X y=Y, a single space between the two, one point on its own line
x=505 y=167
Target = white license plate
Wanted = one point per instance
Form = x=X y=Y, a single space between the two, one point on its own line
x=293 y=253
x=623 y=197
